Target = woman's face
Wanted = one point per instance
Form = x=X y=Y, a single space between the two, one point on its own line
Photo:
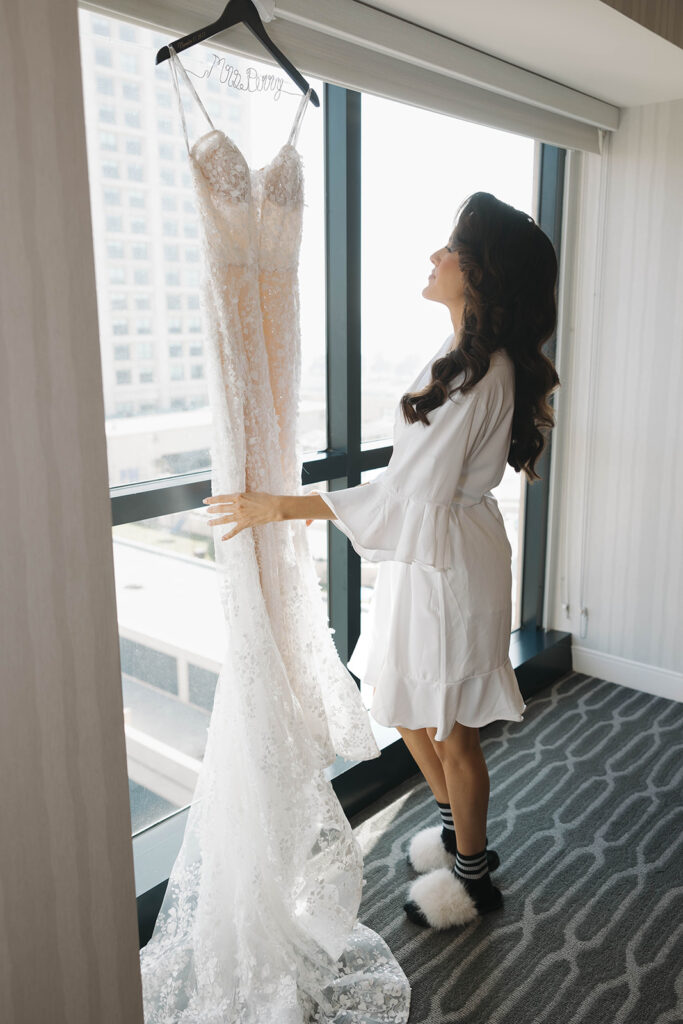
x=446 y=282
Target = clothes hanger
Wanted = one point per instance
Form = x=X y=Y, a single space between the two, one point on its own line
x=237 y=11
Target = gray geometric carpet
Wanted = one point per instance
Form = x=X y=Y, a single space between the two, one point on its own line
x=586 y=813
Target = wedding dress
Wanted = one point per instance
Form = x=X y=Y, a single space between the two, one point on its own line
x=259 y=920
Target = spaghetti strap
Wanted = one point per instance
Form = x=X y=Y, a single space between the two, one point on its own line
x=175 y=64
x=294 y=134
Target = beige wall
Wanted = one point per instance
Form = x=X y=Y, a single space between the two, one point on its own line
x=68 y=929
x=617 y=540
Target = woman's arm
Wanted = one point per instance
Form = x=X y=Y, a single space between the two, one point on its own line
x=307 y=506
x=254 y=508
x=304 y=506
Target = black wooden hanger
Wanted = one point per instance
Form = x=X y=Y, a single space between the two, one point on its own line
x=237 y=11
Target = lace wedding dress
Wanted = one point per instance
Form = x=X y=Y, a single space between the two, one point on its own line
x=259 y=920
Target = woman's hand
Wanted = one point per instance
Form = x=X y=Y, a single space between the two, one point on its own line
x=248 y=508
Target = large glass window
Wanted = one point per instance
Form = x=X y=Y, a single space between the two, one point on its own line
x=417 y=166
x=134 y=254
x=156 y=404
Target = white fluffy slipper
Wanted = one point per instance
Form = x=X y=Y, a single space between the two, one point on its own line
x=439 y=900
x=427 y=851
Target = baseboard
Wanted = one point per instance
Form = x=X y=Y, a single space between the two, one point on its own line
x=636 y=675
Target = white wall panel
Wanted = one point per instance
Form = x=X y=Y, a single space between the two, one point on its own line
x=618 y=502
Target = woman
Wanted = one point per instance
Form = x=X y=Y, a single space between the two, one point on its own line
x=437 y=638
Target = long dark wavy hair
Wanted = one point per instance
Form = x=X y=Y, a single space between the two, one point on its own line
x=510 y=271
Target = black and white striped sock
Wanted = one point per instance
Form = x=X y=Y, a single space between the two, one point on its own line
x=473 y=871
x=448 y=836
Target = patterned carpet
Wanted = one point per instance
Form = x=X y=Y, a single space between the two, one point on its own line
x=586 y=813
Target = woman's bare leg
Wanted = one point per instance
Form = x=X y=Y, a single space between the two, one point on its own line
x=428 y=761
x=467 y=784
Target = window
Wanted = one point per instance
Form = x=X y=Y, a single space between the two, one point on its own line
x=455 y=158
x=105 y=86
x=162 y=431
x=129 y=63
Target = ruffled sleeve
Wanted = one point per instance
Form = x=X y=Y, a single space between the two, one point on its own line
x=404 y=514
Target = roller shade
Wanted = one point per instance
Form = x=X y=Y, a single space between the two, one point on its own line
x=353 y=45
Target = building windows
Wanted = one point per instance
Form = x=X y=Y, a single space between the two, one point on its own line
x=124 y=376
x=129 y=63
x=121 y=352
x=104 y=86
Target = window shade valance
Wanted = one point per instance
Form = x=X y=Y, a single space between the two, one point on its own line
x=353 y=45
